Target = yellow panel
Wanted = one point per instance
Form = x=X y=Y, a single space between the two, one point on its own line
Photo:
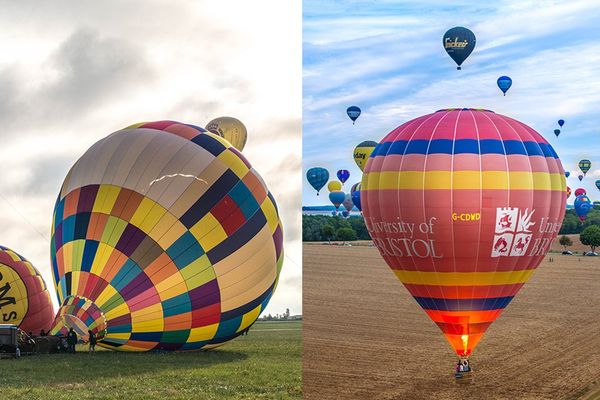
x=204 y=226
x=247 y=290
x=148 y=313
x=155 y=325
x=209 y=232
x=203 y=333
x=101 y=259
x=247 y=260
x=164 y=224
x=249 y=318
x=106 y=198
x=75 y=276
x=171 y=236
x=463 y=278
x=67 y=252
x=119 y=310
x=270 y=212
x=198 y=273
x=168 y=292
x=147 y=215
x=122 y=336
x=127 y=347
x=234 y=163
x=106 y=294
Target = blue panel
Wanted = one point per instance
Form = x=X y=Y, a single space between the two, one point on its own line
x=429 y=303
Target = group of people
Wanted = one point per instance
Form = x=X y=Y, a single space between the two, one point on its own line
x=72 y=338
x=463 y=366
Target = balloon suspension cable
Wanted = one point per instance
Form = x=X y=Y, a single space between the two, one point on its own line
x=43 y=236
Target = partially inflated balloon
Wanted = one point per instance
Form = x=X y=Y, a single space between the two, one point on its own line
x=585 y=165
x=463 y=205
x=362 y=153
x=567 y=174
x=580 y=177
x=164 y=238
x=355 y=192
x=582 y=205
x=568 y=192
x=317 y=177
x=579 y=192
x=459 y=42
x=348 y=204
x=334 y=186
x=337 y=198
x=353 y=113
x=24 y=298
x=504 y=83
x=231 y=129
x=557 y=132
x=561 y=122
x=343 y=175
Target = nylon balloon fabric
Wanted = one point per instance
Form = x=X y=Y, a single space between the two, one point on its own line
x=463 y=204
x=24 y=298
x=164 y=238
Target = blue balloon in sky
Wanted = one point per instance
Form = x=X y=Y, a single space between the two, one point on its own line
x=567 y=174
x=353 y=112
x=343 y=175
x=583 y=205
x=504 y=83
x=561 y=122
x=459 y=42
x=317 y=177
x=337 y=198
x=355 y=192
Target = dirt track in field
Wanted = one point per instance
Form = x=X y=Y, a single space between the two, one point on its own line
x=366 y=338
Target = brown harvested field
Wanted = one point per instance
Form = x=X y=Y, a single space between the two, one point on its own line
x=366 y=338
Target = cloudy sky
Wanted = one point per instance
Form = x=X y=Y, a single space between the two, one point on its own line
x=71 y=72
x=387 y=58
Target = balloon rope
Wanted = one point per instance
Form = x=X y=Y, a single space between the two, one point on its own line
x=24 y=218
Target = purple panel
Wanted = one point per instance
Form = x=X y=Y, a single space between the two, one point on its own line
x=205 y=295
x=138 y=285
x=58 y=236
x=237 y=153
x=278 y=240
x=122 y=320
x=130 y=240
x=87 y=196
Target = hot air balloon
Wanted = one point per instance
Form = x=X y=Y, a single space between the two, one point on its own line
x=580 y=177
x=362 y=153
x=461 y=235
x=337 y=198
x=334 y=186
x=596 y=205
x=561 y=122
x=345 y=214
x=579 y=192
x=343 y=175
x=317 y=177
x=355 y=192
x=504 y=83
x=568 y=192
x=598 y=184
x=353 y=112
x=557 y=132
x=582 y=205
x=584 y=166
x=24 y=298
x=348 y=204
x=459 y=42
x=232 y=129
x=567 y=174
x=164 y=238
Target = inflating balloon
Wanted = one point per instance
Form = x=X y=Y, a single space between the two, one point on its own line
x=343 y=175
x=164 y=238
x=585 y=165
x=459 y=42
x=334 y=186
x=579 y=192
x=24 y=298
x=568 y=192
x=355 y=192
x=362 y=153
x=348 y=204
x=580 y=177
x=561 y=122
x=567 y=174
x=317 y=177
x=557 y=132
x=504 y=83
x=337 y=198
x=353 y=112
x=232 y=129
x=463 y=204
x=582 y=206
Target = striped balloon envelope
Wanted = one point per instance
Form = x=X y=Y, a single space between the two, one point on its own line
x=164 y=238
x=24 y=299
x=463 y=204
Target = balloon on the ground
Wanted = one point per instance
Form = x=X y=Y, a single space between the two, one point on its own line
x=579 y=192
x=24 y=298
x=334 y=186
x=461 y=234
x=580 y=177
x=353 y=112
x=337 y=198
x=355 y=192
x=561 y=122
x=584 y=166
x=343 y=175
x=557 y=132
x=164 y=238
x=504 y=83
x=317 y=177
x=459 y=42
x=348 y=204
x=362 y=152
x=232 y=129
x=582 y=206
x=567 y=174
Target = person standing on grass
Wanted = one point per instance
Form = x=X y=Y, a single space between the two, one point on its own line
x=92 y=341
x=72 y=340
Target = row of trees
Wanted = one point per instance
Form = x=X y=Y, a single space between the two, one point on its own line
x=321 y=228
x=571 y=223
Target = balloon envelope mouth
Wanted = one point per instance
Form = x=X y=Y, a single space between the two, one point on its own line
x=82 y=315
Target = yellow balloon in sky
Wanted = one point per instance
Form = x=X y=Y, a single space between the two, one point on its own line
x=334 y=186
x=362 y=153
x=232 y=129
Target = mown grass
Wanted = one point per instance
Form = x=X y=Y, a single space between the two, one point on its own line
x=265 y=364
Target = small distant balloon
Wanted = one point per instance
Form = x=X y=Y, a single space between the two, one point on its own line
x=580 y=177
x=585 y=165
x=317 y=177
x=567 y=174
x=334 y=186
x=459 y=43
x=557 y=132
x=579 y=192
x=345 y=214
x=598 y=184
x=348 y=204
x=362 y=152
x=561 y=122
x=232 y=129
x=337 y=198
x=582 y=205
x=504 y=83
x=355 y=192
x=353 y=112
x=343 y=175
x=568 y=192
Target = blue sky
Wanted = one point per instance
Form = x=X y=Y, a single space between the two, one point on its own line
x=387 y=58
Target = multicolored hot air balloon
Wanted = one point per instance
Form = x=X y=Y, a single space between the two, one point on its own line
x=459 y=43
x=24 y=298
x=557 y=132
x=334 y=186
x=568 y=192
x=579 y=192
x=232 y=129
x=353 y=113
x=343 y=175
x=463 y=204
x=561 y=122
x=580 y=177
x=567 y=174
x=585 y=165
x=504 y=83
x=337 y=198
x=317 y=177
x=347 y=203
x=362 y=153
x=164 y=238
x=355 y=192
x=582 y=206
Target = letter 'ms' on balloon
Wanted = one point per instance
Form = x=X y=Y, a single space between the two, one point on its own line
x=462 y=234
x=24 y=297
x=164 y=238
x=317 y=177
x=459 y=43
x=362 y=152
x=232 y=129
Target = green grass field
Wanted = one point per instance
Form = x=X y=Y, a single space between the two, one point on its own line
x=265 y=364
